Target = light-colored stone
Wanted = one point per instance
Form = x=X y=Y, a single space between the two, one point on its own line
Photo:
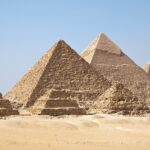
x=147 y=68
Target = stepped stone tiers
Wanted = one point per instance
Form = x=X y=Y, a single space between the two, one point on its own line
x=6 y=108
x=57 y=102
x=61 y=69
x=109 y=60
x=118 y=99
x=147 y=68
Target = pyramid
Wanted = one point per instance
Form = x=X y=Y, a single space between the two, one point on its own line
x=6 y=108
x=109 y=60
x=147 y=68
x=61 y=69
x=118 y=99
x=57 y=102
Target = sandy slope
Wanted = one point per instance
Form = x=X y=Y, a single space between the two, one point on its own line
x=75 y=133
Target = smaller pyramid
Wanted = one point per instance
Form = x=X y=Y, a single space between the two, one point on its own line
x=147 y=68
x=118 y=99
x=57 y=102
x=6 y=108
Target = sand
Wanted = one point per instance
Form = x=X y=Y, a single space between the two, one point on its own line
x=97 y=132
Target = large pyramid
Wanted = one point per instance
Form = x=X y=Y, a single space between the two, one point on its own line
x=61 y=70
x=118 y=99
x=109 y=60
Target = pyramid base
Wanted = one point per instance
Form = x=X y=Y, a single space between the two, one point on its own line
x=127 y=112
x=59 y=111
x=8 y=112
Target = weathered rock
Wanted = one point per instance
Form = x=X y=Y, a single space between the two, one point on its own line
x=118 y=99
x=109 y=60
x=6 y=108
x=57 y=102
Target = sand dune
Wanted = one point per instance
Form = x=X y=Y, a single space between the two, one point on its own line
x=98 y=132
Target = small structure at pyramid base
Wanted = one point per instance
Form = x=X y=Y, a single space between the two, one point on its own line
x=147 y=68
x=55 y=103
x=6 y=108
x=120 y=100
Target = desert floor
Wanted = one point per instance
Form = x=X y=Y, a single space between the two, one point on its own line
x=97 y=132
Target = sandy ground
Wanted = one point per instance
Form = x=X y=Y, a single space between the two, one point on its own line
x=98 y=132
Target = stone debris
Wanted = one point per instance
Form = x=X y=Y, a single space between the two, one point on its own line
x=110 y=61
x=118 y=99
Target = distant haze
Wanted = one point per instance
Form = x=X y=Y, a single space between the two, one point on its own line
x=29 y=28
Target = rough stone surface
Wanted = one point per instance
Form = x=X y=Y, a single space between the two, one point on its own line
x=6 y=108
x=118 y=99
x=61 y=68
x=56 y=102
x=147 y=68
x=23 y=89
x=110 y=61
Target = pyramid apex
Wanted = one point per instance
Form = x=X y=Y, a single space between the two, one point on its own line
x=102 y=43
x=102 y=34
x=61 y=42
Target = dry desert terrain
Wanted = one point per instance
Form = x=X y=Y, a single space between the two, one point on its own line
x=95 y=132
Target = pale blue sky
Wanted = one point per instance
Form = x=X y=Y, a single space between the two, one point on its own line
x=29 y=27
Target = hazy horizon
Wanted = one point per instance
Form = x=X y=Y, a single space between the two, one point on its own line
x=29 y=28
